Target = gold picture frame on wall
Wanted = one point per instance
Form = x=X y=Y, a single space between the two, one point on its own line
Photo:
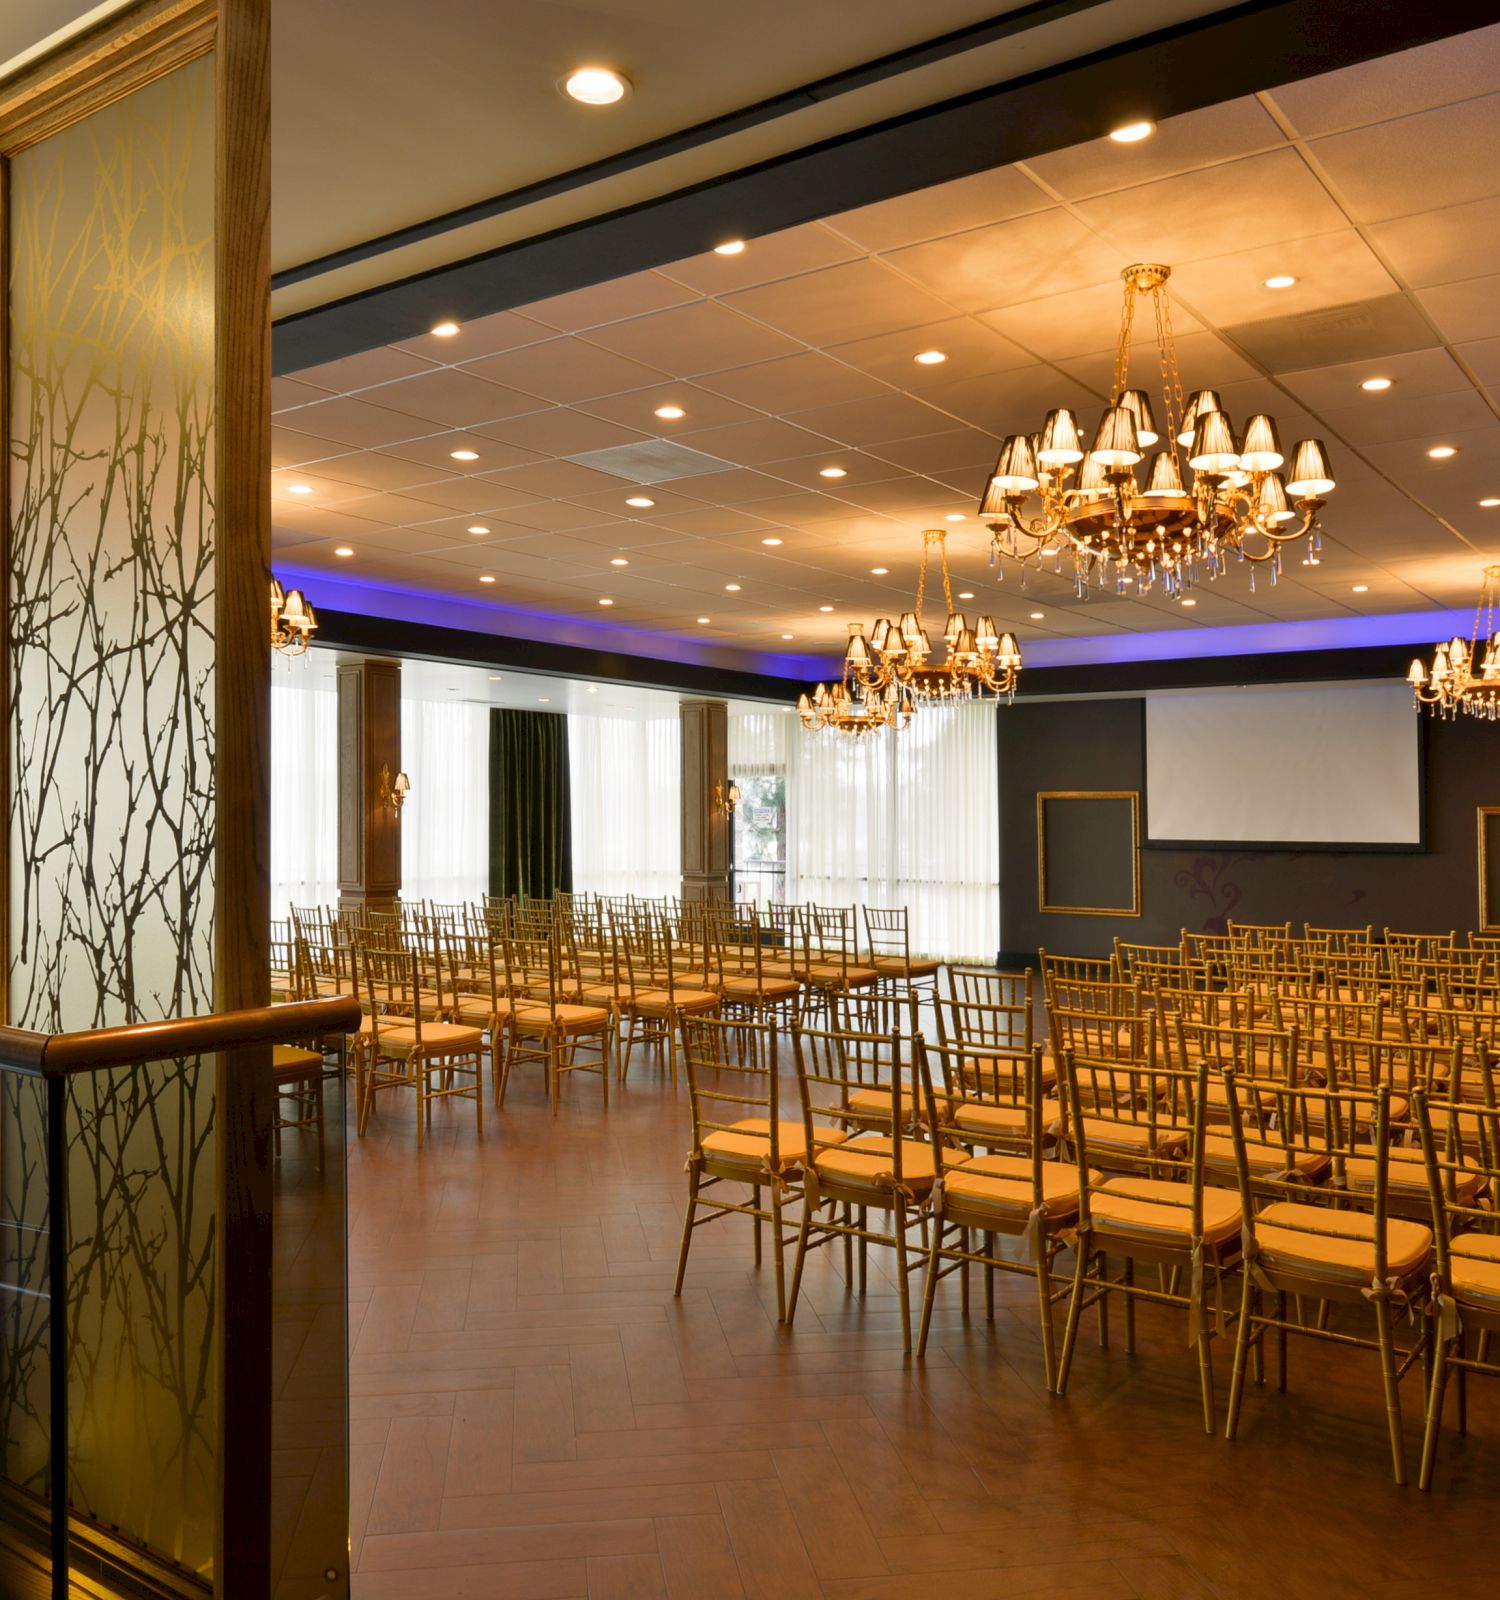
x=1092 y=834
x=1489 y=869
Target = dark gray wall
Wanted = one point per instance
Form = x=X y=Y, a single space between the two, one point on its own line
x=1100 y=744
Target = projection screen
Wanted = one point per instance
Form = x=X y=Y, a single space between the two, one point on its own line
x=1285 y=765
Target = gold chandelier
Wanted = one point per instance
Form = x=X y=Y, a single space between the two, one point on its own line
x=293 y=620
x=1242 y=502
x=1460 y=680
x=980 y=660
x=866 y=712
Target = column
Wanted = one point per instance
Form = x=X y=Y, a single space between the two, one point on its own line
x=705 y=830
x=369 y=712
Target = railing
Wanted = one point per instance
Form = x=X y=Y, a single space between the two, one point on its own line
x=759 y=883
x=160 y=1327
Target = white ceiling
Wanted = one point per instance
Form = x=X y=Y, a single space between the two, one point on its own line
x=1376 y=187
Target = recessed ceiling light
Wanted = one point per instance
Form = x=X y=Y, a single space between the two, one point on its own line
x=789 y=636
x=832 y=472
x=1441 y=452
x=955 y=516
x=930 y=358
x=1190 y=601
x=965 y=594
x=825 y=608
x=731 y=588
x=593 y=688
x=1490 y=502
x=543 y=700
x=1361 y=588
x=343 y=550
x=606 y=602
x=495 y=677
x=1282 y=280
x=478 y=527
x=880 y=572
x=299 y=488
x=730 y=247
x=445 y=330
x=596 y=86
x=702 y=620
x=485 y=577
x=640 y=502
x=1036 y=616
x=771 y=541
x=1376 y=385
x=464 y=455
x=1132 y=132
x=618 y=561
x=670 y=413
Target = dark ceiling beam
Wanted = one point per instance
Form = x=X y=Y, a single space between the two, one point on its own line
x=1217 y=58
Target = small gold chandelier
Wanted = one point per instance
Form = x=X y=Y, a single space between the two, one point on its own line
x=1239 y=504
x=868 y=712
x=293 y=620
x=980 y=659
x=1460 y=680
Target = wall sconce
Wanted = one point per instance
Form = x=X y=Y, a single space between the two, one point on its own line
x=724 y=803
x=393 y=794
x=293 y=620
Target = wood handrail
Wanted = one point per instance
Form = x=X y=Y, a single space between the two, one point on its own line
x=61 y=1055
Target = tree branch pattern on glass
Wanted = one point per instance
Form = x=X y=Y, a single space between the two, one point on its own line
x=111 y=569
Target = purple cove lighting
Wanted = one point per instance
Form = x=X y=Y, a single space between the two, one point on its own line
x=397 y=603
x=1417 y=628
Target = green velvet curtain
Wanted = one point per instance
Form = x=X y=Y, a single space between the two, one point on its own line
x=531 y=825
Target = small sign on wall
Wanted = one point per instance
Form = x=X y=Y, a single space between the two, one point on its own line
x=1489 y=869
x=1088 y=852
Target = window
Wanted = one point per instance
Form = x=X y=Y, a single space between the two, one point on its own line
x=626 y=779
x=445 y=823
x=304 y=795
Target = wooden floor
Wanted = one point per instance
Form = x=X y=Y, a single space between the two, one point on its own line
x=535 y=1415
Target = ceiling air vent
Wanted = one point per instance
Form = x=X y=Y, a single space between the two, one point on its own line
x=652 y=461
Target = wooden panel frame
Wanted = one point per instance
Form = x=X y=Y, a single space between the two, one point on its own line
x=1488 y=820
x=1042 y=799
x=124 y=53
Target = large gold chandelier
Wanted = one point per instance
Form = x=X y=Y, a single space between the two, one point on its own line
x=1465 y=673
x=979 y=660
x=1140 y=521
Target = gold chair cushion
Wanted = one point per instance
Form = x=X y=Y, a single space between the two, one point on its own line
x=1474 y=1260
x=866 y=1163
x=876 y=1102
x=566 y=1019
x=447 y=1036
x=832 y=972
x=766 y=988
x=1337 y=1246
x=902 y=967
x=1406 y=1176
x=982 y=1069
x=1124 y=1136
x=980 y=1117
x=662 y=1000
x=1264 y=1156
x=290 y=1062
x=779 y=969
x=1002 y=1185
x=881 y=1144
x=1156 y=1211
x=747 y=1143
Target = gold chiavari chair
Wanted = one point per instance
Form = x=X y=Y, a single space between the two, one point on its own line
x=671 y=974
x=562 y=1036
x=1016 y=1194
x=1419 y=946
x=1129 y=958
x=741 y=1139
x=1098 y=1019
x=888 y=943
x=480 y=1000
x=834 y=966
x=1259 y=935
x=1460 y=1140
x=1353 y=975
x=1486 y=944
x=1211 y=950
x=786 y=955
x=404 y=1050
x=1258 y=1055
x=1475 y=1030
x=1321 y=1249
x=986 y=1028
x=747 y=989
x=1136 y=1131
x=283 y=960
x=1075 y=969
x=1341 y=941
x=851 y=1172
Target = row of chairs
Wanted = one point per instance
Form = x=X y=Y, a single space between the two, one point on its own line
x=1252 y=1177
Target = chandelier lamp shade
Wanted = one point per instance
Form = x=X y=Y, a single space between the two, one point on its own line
x=293 y=620
x=854 y=714
x=1465 y=673
x=1169 y=497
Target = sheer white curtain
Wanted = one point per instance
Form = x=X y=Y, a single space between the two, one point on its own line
x=304 y=796
x=625 y=778
x=903 y=819
x=445 y=824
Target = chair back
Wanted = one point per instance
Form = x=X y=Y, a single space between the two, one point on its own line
x=733 y=1073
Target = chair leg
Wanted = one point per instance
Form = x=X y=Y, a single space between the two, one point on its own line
x=808 y=1206
x=687 y=1228
x=757 y=1225
x=1044 y=1299
x=1249 y=1300
x=1387 y=1339
x=903 y=1280
x=319 y=1121
x=1435 y=1388
x=929 y=1285
x=1127 y=1273
x=778 y=1250
x=1075 y=1308
x=1206 y=1361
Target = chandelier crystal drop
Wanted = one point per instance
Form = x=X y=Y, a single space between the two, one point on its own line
x=1465 y=673
x=1133 y=519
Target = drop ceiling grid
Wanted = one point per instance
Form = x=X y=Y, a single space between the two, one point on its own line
x=916 y=444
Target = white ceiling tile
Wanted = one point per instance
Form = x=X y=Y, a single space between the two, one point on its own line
x=355 y=422
x=1465 y=311
x=288 y=393
x=963 y=203
x=1415 y=374
x=794 y=383
x=837 y=304
x=566 y=371
x=1331 y=269
x=436 y=450
x=702 y=337
x=485 y=336
x=750 y=444
x=862 y=422
x=1443 y=246
x=364 y=371
x=610 y=301
x=702 y=408
x=290 y=448
x=786 y=254
x=451 y=397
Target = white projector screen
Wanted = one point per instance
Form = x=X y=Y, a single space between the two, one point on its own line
x=1286 y=764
